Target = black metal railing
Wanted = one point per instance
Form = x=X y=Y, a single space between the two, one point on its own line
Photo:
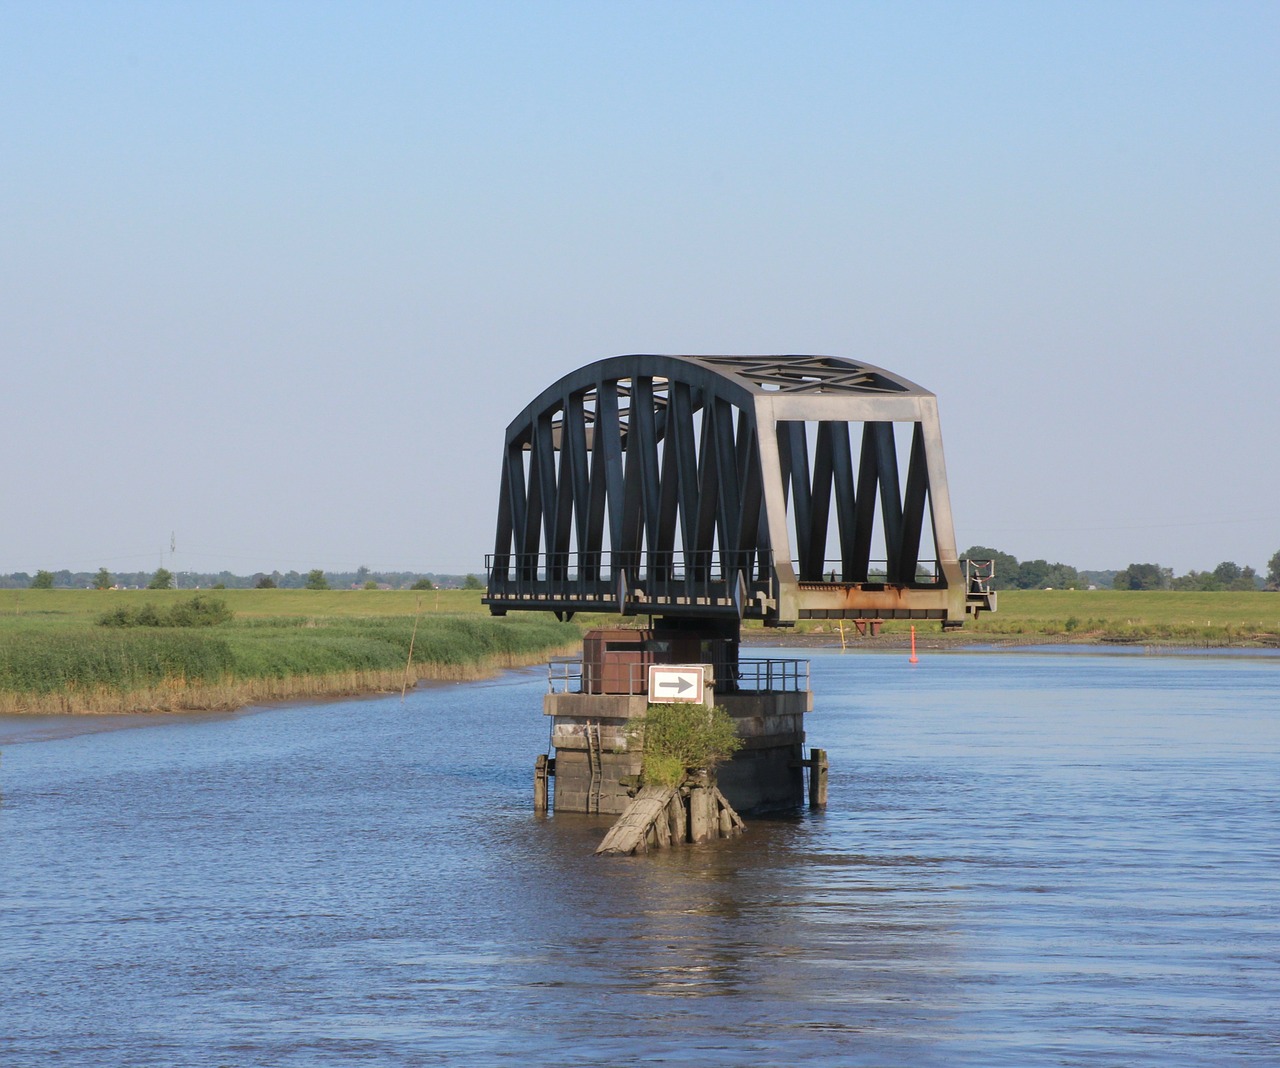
x=840 y=572
x=615 y=580
x=748 y=675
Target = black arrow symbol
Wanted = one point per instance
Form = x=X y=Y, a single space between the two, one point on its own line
x=681 y=684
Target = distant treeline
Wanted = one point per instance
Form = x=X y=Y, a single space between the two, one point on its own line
x=1010 y=574
x=190 y=580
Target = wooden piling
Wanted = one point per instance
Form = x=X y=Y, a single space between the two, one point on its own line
x=817 y=778
x=540 y=778
x=630 y=833
x=701 y=814
x=730 y=822
x=677 y=819
x=662 y=828
x=660 y=816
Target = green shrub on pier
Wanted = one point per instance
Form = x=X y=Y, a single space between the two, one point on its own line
x=682 y=738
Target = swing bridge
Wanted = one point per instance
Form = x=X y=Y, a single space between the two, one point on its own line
x=724 y=488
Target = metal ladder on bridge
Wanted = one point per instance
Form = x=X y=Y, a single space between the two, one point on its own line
x=595 y=762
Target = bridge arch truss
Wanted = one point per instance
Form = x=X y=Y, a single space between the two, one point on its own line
x=769 y=487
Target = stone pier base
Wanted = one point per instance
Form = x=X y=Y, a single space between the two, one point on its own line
x=595 y=769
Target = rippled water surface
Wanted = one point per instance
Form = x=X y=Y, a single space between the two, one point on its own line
x=1027 y=860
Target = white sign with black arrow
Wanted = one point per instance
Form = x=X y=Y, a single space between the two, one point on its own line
x=669 y=683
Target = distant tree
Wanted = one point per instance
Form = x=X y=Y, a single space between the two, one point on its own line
x=263 y=582
x=1142 y=577
x=316 y=580
x=427 y=584
x=103 y=580
x=1006 y=566
x=44 y=579
x=1032 y=575
x=1273 y=572
x=362 y=575
x=1227 y=572
x=1063 y=577
x=1042 y=575
x=1197 y=581
x=161 y=580
x=370 y=585
x=1247 y=580
x=1226 y=576
x=472 y=582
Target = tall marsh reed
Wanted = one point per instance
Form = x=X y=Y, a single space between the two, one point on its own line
x=113 y=669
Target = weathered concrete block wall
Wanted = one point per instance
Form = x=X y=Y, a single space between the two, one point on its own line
x=765 y=773
x=589 y=734
x=573 y=789
x=606 y=717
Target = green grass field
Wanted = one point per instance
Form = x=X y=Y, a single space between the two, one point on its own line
x=1021 y=611
x=1252 y=609
x=1194 y=619
x=28 y=609
x=55 y=656
x=1234 y=619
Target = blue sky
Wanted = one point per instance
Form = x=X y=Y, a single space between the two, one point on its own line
x=274 y=277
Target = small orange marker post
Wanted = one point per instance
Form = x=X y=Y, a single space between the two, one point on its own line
x=914 y=659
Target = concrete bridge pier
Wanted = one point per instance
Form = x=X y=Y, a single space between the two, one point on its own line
x=593 y=701
x=705 y=491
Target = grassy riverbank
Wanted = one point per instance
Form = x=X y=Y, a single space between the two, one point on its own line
x=56 y=657
x=1223 y=619
x=282 y=644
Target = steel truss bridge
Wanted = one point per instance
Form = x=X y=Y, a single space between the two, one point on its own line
x=776 y=488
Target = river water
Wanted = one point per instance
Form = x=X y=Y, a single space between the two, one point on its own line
x=1028 y=859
